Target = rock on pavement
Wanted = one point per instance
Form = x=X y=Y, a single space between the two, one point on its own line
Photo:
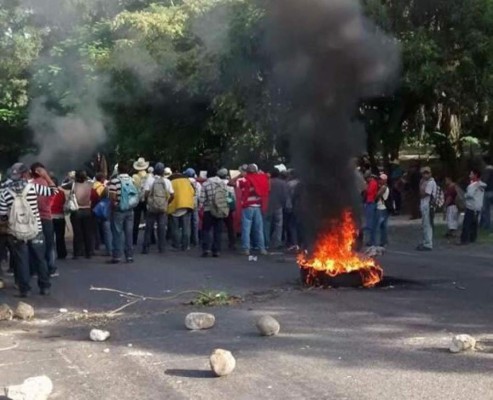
x=6 y=312
x=222 y=362
x=197 y=321
x=268 y=326
x=98 y=335
x=462 y=343
x=24 y=311
x=36 y=388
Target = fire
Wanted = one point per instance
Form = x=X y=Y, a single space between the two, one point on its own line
x=334 y=255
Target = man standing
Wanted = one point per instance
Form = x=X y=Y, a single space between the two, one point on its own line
x=370 y=206
x=273 y=221
x=19 y=206
x=194 y=229
x=382 y=213
x=223 y=174
x=488 y=198
x=139 y=178
x=181 y=209
x=428 y=188
x=44 y=206
x=124 y=197
x=474 y=203
x=158 y=194
x=214 y=199
x=254 y=188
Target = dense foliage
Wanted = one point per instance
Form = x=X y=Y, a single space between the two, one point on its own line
x=186 y=80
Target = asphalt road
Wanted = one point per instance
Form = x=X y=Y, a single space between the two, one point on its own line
x=382 y=343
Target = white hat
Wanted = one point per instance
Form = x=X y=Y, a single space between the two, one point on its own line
x=281 y=168
x=167 y=172
x=141 y=164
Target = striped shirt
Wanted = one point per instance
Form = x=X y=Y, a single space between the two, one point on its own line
x=6 y=198
x=115 y=186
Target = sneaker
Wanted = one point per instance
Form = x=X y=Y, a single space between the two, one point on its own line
x=130 y=260
x=205 y=254
x=113 y=261
x=10 y=272
x=45 y=292
x=54 y=274
x=216 y=255
x=245 y=253
x=145 y=251
x=423 y=248
x=264 y=252
x=23 y=295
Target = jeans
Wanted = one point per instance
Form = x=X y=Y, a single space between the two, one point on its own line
x=162 y=221
x=194 y=239
x=252 y=223
x=370 y=215
x=49 y=236
x=104 y=229
x=139 y=212
x=122 y=223
x=211 y=233
x=59 y=225
x=181 y=231
x=486 y=211
x=470 y=227
x=273 y=229
x=83 y=226
x=381 y=223
x=25 y=253
x=427 y=225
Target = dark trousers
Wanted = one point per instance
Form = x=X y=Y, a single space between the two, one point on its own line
x=59 y=225
x=181 y=231
x=161 y=219
x=49 y=236
x=83 y=226
x=211 y=233
x=230 y=226
x=470 y=227
x=139 y=213
x=4 y=251
x=24 y=254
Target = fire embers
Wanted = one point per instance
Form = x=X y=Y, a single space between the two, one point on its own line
x=334 y=261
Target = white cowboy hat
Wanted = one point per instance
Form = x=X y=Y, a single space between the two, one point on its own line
x=141 y=164
x=167 y=172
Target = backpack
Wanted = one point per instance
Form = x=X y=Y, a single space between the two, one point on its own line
x=129 y=197
x=157 y=202
x=219 y=201
x=389 y=203
x=71 y=205
x=23 y=224
x=437 y=198
x=460 y=198
x=102 y=210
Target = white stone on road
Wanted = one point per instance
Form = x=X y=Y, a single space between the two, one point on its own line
x=198 y=321
x=24 y=311
x=36 y=388
x=222 y=362
x=268 y=326
x=462 y=343
x=6 y=313
x=98 y=335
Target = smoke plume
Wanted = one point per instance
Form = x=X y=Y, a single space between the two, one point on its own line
x=326 y=58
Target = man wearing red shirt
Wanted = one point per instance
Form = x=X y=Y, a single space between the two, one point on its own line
x=370 y=205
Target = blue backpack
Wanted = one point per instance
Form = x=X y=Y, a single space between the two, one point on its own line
x=129 y=198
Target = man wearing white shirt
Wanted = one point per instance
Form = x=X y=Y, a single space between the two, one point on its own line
x=428 y=188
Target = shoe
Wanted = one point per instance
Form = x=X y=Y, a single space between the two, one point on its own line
x=23 y=295
x=130 y=260
x=264 y=252
x=205 y=254
x=145 y=251
x=10 y=272
x=75 y=258
x=216 y=255
x=54 y=274
x=245 y=253
x=113 y=261
x=423 y=248
x=45 y=292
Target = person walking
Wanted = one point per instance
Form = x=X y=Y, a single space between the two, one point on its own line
x=19 y=208
x=139 y=180
x=273 y=221
x=158 y=194
x=428 y=188
x=124 y=197
x=474 y=203
x=382 y=213
x=453 y=199
x=82 y=219
x=214 y=199
x=181 y=209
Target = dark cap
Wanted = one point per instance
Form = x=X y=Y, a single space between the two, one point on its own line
x=159 y=169
x=17 y=171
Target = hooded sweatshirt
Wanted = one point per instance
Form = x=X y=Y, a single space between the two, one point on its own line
x=475 y=195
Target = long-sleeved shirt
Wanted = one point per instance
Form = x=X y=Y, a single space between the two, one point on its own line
x=371 y=191
x=208 y=191
x=7 y=199
x=278 y=195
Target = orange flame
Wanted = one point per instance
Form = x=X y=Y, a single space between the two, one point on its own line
x=334 y=255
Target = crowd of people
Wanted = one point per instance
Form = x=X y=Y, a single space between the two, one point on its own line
x=144 y=208
x=138 y=208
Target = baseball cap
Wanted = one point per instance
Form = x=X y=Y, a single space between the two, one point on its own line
x=159 y=169
x=190 y=172
x=17 y=170
x=222 y=173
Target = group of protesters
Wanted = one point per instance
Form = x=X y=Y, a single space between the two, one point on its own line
x=139 y=206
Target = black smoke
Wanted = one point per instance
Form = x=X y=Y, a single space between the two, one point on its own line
x=326 y=57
